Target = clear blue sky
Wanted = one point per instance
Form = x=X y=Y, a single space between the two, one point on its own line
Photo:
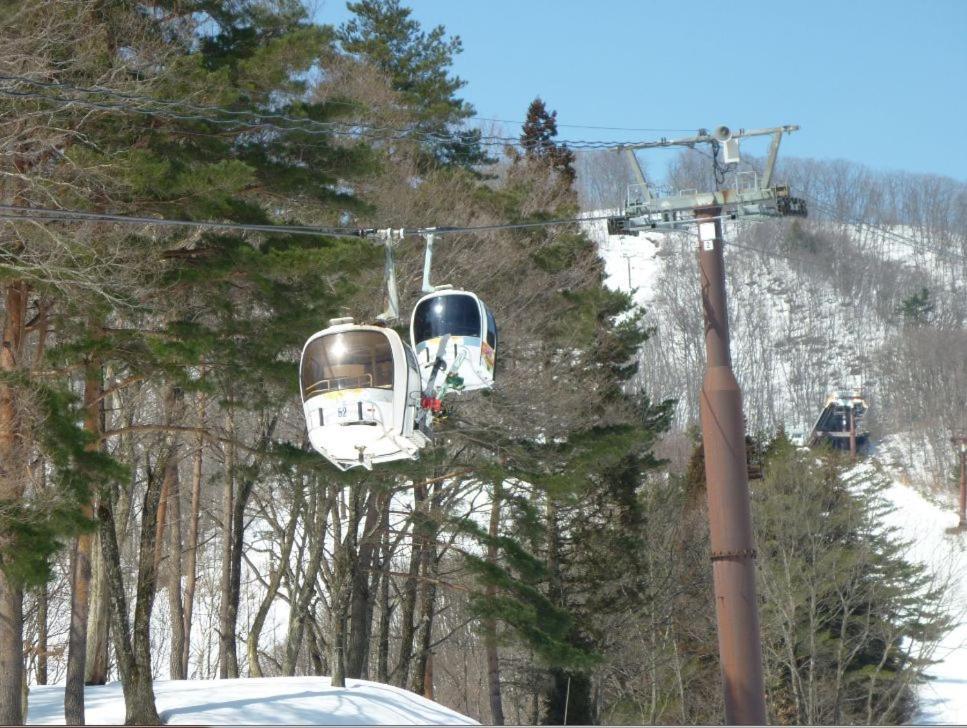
x=882 y=82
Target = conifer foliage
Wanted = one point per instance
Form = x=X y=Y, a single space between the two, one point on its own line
x=537 y=139
x=418 y=65
x=848 y=621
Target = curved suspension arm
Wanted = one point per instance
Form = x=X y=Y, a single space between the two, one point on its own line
x=392 y=312
x=428 y=263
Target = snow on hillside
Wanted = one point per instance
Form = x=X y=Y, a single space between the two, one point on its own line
x=264 y=701
x=631 y=262
x=944 y=698
x=801 y=323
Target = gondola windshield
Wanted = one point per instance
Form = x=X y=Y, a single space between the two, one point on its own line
x=347 y=361
x=455 y=315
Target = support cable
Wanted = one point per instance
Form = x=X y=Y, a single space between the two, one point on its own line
x=106 y=91
x=43 y=214
x=257 y=121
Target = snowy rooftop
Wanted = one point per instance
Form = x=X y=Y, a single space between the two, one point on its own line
x=266 y=701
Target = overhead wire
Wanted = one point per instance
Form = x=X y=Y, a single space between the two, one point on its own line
x=837 y=216
x=581 y=126
x=107 y=91
x=235 y=125
x=916 y=245
x=743 y=248
x=42 y=214
x=249 y=120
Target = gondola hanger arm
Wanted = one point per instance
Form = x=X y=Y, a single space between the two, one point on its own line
x=428 y=264
x=392 y=312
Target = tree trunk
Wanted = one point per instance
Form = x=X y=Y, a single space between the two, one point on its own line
x=428 y=677
x=339 y=599
x=424 y=634
x=175 y=608
x=99 y=612
x=77 y=634
x=338 y=650
x=553 y=560
x=81 y=561
x=146 y=587
x=408 y=629
x=191 y=568
x=557 y=691
x=375 y=576
x=226 y=635
x=11 y=490
x=317 y=648
x=490 y=625
x=360 y=609
x=139 y=705
x=430 y=563
x=98 y=622
x=235 y=571
x=237 y=543
x=408 y=632
x=11 y=651
x=42 y=598
x=275 y=579
x=161 y=521
x=382 y=657
x=302 y=597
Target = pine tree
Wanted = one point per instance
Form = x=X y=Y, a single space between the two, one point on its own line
x=537 y=140
x=418 y=64
x=917 y=309
x=847 y=620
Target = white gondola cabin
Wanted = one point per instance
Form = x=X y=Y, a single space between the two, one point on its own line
x=361 y=395
x=471 y=350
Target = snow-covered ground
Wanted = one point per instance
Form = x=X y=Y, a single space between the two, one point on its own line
x=264 y=701
x=943 y=700
x=631 y=262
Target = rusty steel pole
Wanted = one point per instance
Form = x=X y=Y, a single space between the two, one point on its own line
x=730 y=519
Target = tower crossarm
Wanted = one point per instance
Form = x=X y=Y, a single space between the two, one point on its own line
x=675 y=210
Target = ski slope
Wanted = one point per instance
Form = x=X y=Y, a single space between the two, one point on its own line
x=263 y=701
x=943 y=700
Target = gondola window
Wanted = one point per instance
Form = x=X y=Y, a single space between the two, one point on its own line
x=454 y=315
x=360 y=359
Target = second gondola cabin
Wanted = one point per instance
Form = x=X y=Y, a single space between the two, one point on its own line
x=471 y=350
x=361 y=395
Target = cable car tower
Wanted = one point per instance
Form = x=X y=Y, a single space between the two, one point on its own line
x=723 y=429
x=752 y=197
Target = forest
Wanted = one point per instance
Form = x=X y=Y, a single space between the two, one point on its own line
x=546 y=559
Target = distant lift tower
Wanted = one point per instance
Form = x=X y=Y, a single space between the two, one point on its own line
x=723 y=428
